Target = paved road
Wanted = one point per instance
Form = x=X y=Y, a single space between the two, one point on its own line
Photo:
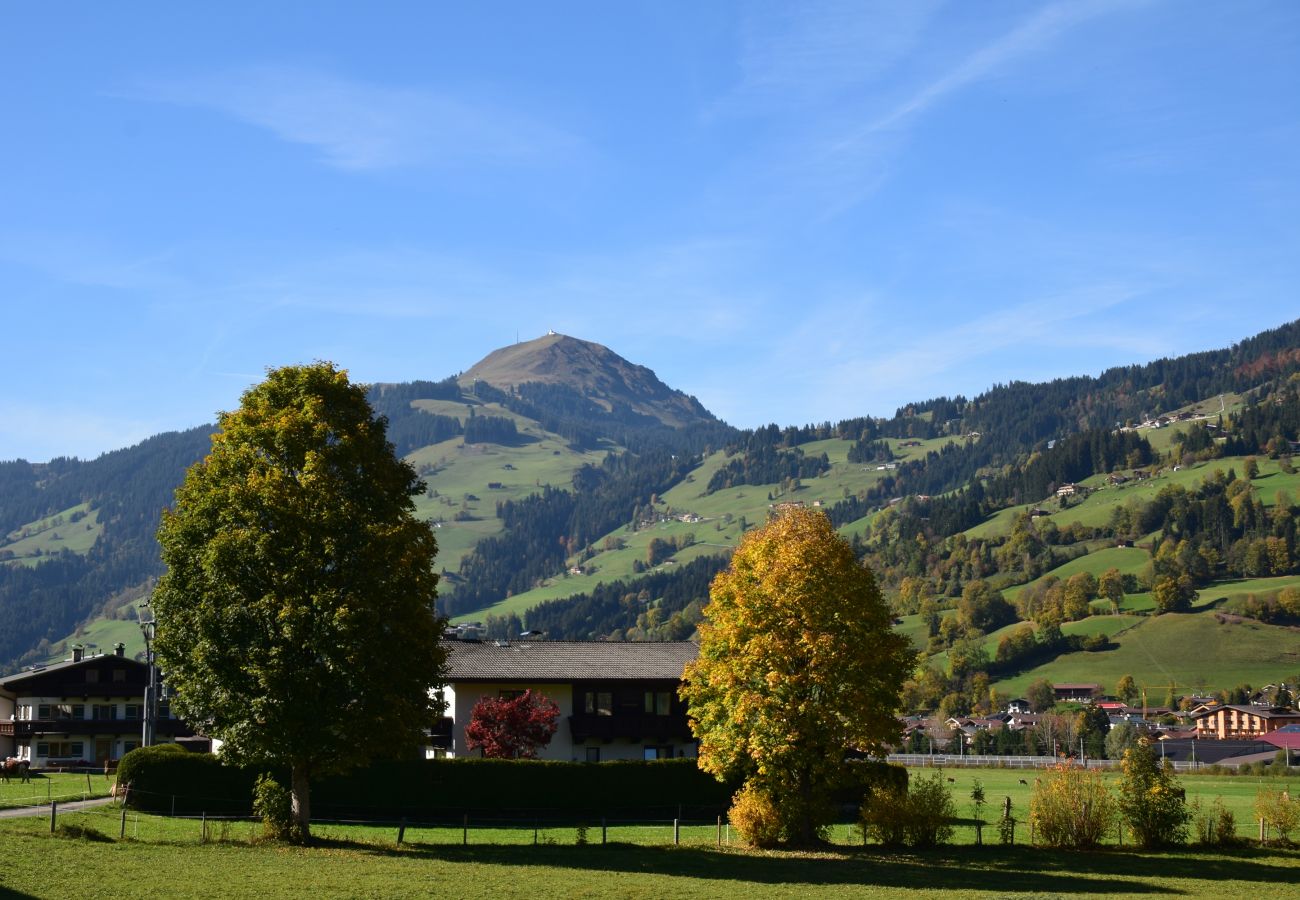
x=64 y=806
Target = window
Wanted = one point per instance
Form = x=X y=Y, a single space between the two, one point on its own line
x=134 y=710
x=60 y=749
x=92 y=676
x=599 y=703
x=128 y=746
x=119 y=674
x=24 y=712
x=164 y=710
x=78 y=711
x=43 y=711
x=658 y=753
x=658 y=703
x=104 y=712
x=593 y=754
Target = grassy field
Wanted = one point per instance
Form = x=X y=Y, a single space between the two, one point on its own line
x=365 y=863
x=54 y=786
x=1189 y=650
x=30 y=543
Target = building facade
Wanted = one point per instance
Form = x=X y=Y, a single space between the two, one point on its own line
x=616 y=700
x=87 y=710
x=1244 y=721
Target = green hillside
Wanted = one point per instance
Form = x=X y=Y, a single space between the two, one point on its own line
x=74 y=529
x=713 y=521
x=1192 y=650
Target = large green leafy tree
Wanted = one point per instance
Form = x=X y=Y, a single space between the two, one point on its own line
x=296 y=617
x=798 y=665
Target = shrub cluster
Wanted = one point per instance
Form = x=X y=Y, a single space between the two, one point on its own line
x=919 y=815
x=1071 y=808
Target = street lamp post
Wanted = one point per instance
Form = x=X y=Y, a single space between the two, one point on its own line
x=148 y=628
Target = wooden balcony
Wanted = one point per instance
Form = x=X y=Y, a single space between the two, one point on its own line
x=634 y=728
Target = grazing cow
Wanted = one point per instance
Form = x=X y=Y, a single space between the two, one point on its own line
x=1025 y=783
x=15 y=767
x=952 y=780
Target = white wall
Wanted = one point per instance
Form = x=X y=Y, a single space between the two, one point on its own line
x=460 y=706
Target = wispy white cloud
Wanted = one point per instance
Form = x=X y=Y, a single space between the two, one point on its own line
x=795 y=53
x=849 y=146
x=926 y=362
x=360 y=126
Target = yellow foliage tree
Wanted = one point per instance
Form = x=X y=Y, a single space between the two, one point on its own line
x=798 y=664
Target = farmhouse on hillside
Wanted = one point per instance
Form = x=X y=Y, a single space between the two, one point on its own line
x=86 y=710
x=617 y=700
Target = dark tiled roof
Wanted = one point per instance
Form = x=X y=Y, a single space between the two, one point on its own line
x=8 y=681
x=566 y=660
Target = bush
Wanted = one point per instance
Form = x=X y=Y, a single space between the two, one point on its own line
x=918 y=816
x=273 y=802
x=1216 y=826
x=930 y=812
x=1280 y=813
x=755 y=817
x=1071 y=808
x=884 y=816
x=1151 y=801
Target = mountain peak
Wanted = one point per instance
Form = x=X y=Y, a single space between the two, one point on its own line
x=592 y=370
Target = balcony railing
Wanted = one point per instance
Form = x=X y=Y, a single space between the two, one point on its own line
x=103 y=727
x=630 y=727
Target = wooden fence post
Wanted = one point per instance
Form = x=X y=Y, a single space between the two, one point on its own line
x=203 y=827
x=677 y=832
x=603 y=830
x=719 y=832
x=401 y=831
x=464 y=831
x=54 y=811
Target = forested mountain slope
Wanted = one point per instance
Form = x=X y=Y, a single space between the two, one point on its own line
x=593 y=500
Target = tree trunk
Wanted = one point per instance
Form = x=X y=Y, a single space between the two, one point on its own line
x=301 y=791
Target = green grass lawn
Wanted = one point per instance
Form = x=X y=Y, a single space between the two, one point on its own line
x=53 y=786
x=367 y=863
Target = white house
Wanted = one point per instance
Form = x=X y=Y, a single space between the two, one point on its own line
x=86 y=710
x=617 y=700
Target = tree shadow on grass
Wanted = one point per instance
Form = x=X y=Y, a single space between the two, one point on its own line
x=1015 y=870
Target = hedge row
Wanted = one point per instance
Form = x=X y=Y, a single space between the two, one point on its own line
x=164 y=780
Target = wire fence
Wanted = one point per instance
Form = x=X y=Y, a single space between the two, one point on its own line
x=946 y=760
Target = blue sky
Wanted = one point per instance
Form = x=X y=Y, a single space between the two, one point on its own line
x=796 y=212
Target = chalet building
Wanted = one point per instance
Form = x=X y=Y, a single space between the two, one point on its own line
x=1076 y=692
x=1236 y=721
x=87 y=710
x=617 y=700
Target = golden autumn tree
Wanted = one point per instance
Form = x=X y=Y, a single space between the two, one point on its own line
x=798 y=665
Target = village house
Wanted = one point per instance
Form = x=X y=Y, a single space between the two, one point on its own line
x=86 y=710
x=1243 y=721
x=1072 y=692
x=617 y=700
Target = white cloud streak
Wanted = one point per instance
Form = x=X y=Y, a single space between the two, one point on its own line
x=357 y=126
